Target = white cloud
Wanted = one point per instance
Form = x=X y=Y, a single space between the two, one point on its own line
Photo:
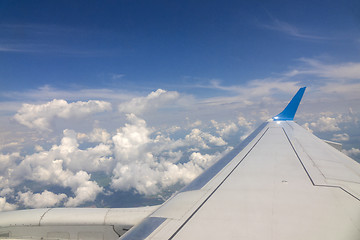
x=203 y=161
x=8 y=161
x=73 y=158
x=6 y=192
x=40 y=116
x=117 y=76
x=341 y=137
x=97 y=135
x=149 y=103
x=331 y=122
x=257 y=88
x=139 y=159
x=130 y=140
x=307 y=127
x=5 y=206
x=136 y=156
x=198 y=138
x=40 y=200
x=65 y=165
x=348 y=70
x=224 y=129
x=242 y=122
x=150 y=176
x=48 y=93
x=38 y=148
x=353 y=152
x=7 y=165
x=197 y=123
x=290 y=30
x=325 y=124
x=149 y=164
x=84 y=189
x=173 y=129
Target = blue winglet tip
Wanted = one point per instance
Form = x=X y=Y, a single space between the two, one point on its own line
x=288 y=113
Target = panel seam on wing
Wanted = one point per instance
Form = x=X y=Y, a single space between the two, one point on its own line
x=188 y=219
x=312 y=182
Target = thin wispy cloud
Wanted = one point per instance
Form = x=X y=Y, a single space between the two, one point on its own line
x=47 y=39
x=290 y=30
x=47 y=92
x=256 y=87
x=17 y=48
x=345 y=70
x=117 y=76
x=48 y=48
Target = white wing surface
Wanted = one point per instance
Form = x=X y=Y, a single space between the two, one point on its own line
x=281 y=183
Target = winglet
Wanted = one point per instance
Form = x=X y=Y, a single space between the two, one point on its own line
x=288 y=113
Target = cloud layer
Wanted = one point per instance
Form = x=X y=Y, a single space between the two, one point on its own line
x=134 y=157
x=40 y=116
x=151 y=102
x=79 y=165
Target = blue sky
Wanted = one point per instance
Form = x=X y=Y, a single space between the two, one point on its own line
x=136 y=98
x=90 y=44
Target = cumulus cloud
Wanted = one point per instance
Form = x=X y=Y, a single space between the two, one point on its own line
x=5 y=206
x=203 y=160
x=325 y=124
x=353 y=152
x=242 y=122
x=224 y=129
x=129 y=142
x=341 y=137
x=197 y=123
x=65 y=165
x=198 y=138
x=7 y=165
x=6 y=192
x=151 y=175
x=149 y=164
x=145 y=159
x=151 y=102
x=40 y=200
x=40 y=116
x=84 y=189
x=137 y=167
x=135 y=157
x=97 y=135
x=69 y=155
x=7 y=161
x=332 y=122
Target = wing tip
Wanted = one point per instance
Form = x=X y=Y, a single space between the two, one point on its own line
x=289 y=112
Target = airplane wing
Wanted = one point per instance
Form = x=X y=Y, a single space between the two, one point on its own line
x=281 y=183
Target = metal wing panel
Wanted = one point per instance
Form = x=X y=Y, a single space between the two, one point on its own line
x=270 y=196
x=178 y=209
x=265 y=192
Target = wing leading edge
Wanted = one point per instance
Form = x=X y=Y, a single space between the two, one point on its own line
x=281 y=183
